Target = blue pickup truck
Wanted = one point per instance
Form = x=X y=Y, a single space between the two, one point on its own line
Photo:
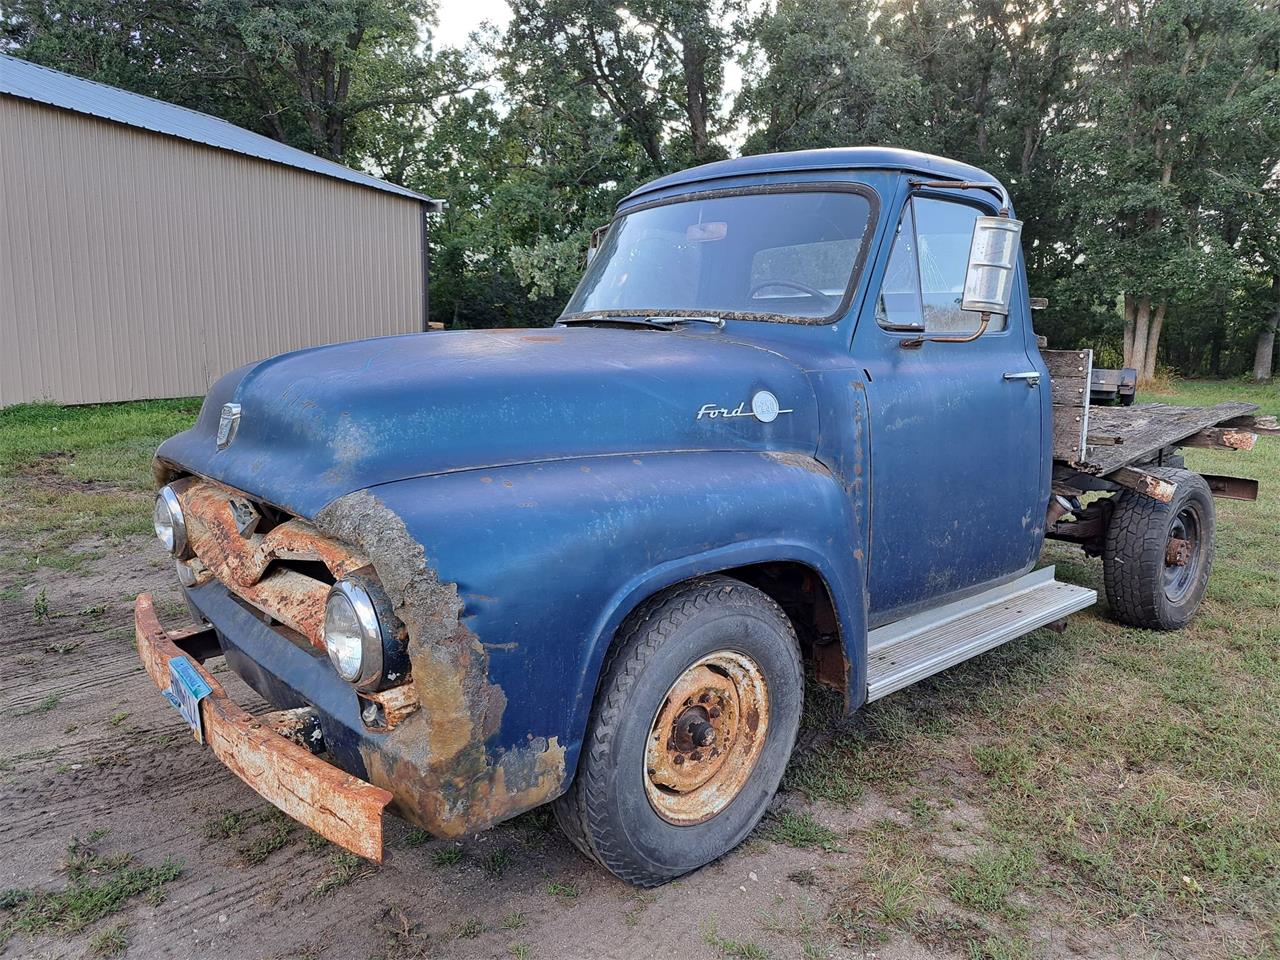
x=794 y=420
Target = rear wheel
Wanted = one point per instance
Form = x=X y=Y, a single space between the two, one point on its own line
x=1157 y=556
x=692 y=728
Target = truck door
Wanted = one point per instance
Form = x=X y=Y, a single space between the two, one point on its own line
x=957 y=483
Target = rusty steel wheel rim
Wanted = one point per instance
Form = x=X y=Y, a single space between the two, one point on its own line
x=706 y=737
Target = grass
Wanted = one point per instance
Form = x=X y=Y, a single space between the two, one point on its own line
x=257 y=834
x=799 y=830
x=726 y=947
x=71 y=474
x=1115 y=778
x=344 y=868
x=109 y=941
x=98 y=887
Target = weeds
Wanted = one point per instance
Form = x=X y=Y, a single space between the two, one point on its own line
x=98 y=887
x=110 y=941
x=344 y=868
x=448 y=856
x=738 y=949
x=566 y=889
x=800 y=830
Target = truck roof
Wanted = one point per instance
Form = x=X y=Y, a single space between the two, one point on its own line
x=833 y=158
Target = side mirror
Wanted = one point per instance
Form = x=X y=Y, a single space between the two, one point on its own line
x=597 y=239
x=993 y=257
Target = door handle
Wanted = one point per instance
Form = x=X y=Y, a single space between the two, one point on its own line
x=1032 y=377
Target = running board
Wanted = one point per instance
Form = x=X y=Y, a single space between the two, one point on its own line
x=899 y=654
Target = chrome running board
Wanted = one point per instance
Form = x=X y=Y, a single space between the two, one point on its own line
x=901 y=653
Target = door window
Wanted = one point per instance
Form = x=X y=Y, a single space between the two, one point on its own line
x=924 y=282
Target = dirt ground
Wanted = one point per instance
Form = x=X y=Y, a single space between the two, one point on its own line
x=94 y=753
x=911 y=832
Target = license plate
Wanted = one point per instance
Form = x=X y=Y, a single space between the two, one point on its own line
x=186 y=689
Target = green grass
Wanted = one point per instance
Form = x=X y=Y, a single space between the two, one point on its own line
x=98 y=887
x=799 y=830
x=344 y=868
x=68 y=474
x=109 y=941
x=726 y=947
x=1115 y=776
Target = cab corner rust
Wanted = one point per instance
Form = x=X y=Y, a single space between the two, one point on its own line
x=435 y=761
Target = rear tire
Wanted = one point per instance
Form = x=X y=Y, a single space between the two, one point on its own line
x=708 y=671
x=1150 y=582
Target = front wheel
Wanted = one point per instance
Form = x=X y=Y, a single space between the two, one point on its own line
x=1157 y=556
x=691 y=731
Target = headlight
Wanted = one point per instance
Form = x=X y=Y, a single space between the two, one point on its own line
x=169 y=524
x=352 y=633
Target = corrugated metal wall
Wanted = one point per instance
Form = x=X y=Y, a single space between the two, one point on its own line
x=138 y=265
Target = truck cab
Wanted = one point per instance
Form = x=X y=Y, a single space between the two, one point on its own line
x=794 y=418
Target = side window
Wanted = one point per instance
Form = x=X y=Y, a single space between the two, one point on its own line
x=944 y=231
x=899 y=305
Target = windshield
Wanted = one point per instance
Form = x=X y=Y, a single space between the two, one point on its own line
x=776 y=255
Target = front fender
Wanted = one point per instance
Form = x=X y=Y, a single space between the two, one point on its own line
x=547 y=560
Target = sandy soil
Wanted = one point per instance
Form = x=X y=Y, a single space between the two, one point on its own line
x=90 y=746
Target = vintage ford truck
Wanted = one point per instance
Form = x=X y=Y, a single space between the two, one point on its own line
x=794 y=418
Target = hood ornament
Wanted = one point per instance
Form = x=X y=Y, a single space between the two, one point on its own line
x=764 y=407
x=228 y=424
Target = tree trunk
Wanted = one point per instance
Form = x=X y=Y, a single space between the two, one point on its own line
x=1130 y=311
x=1141 y=330
x=1148 y=371
x=1264 y=355
x=694 y=56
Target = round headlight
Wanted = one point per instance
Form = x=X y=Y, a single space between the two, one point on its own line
x=169 y=524
x=352 y=633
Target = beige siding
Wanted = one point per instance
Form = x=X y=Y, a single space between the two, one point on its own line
x=138 y=265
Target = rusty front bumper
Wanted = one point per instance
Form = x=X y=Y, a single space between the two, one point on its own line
x=343 y=809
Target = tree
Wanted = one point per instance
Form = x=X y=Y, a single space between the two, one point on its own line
x=1177 y=80
x=306 y=72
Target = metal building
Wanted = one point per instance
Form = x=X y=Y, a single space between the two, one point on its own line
x=146 y=249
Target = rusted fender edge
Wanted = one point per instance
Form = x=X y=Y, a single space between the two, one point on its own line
x=436 y=761
x=341 y=808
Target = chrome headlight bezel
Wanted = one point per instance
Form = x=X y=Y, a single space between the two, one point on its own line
x=367 y=671
x=174 y=536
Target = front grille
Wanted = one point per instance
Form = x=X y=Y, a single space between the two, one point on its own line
x=281 y=566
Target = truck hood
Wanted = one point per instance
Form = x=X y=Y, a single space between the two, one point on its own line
x=320 y=423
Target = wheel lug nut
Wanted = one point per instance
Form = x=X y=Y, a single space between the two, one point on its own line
x=715 y=752
x=678 y=759
x=705 y=698
x=652 y=771
x=695 y=756
x=713 y=712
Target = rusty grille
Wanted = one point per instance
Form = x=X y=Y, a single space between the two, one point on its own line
x=258 y=567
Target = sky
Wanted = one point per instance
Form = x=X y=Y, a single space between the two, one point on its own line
x=459 y=17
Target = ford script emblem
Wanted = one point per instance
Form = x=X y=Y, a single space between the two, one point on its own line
x=764 y=407
x=228 y=423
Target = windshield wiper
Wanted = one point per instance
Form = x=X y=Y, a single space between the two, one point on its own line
x=655 y=321
x=717 y=322
x=630 y=321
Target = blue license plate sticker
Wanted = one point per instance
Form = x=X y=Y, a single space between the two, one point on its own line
x=186 y=689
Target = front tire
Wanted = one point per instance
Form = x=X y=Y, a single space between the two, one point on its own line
x=692 y=728
x=1157 y=556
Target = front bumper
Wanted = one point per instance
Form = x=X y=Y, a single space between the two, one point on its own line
x=340 y=807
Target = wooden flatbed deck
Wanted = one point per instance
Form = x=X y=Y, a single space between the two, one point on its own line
x=1100 y=441
x=1124 y=436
